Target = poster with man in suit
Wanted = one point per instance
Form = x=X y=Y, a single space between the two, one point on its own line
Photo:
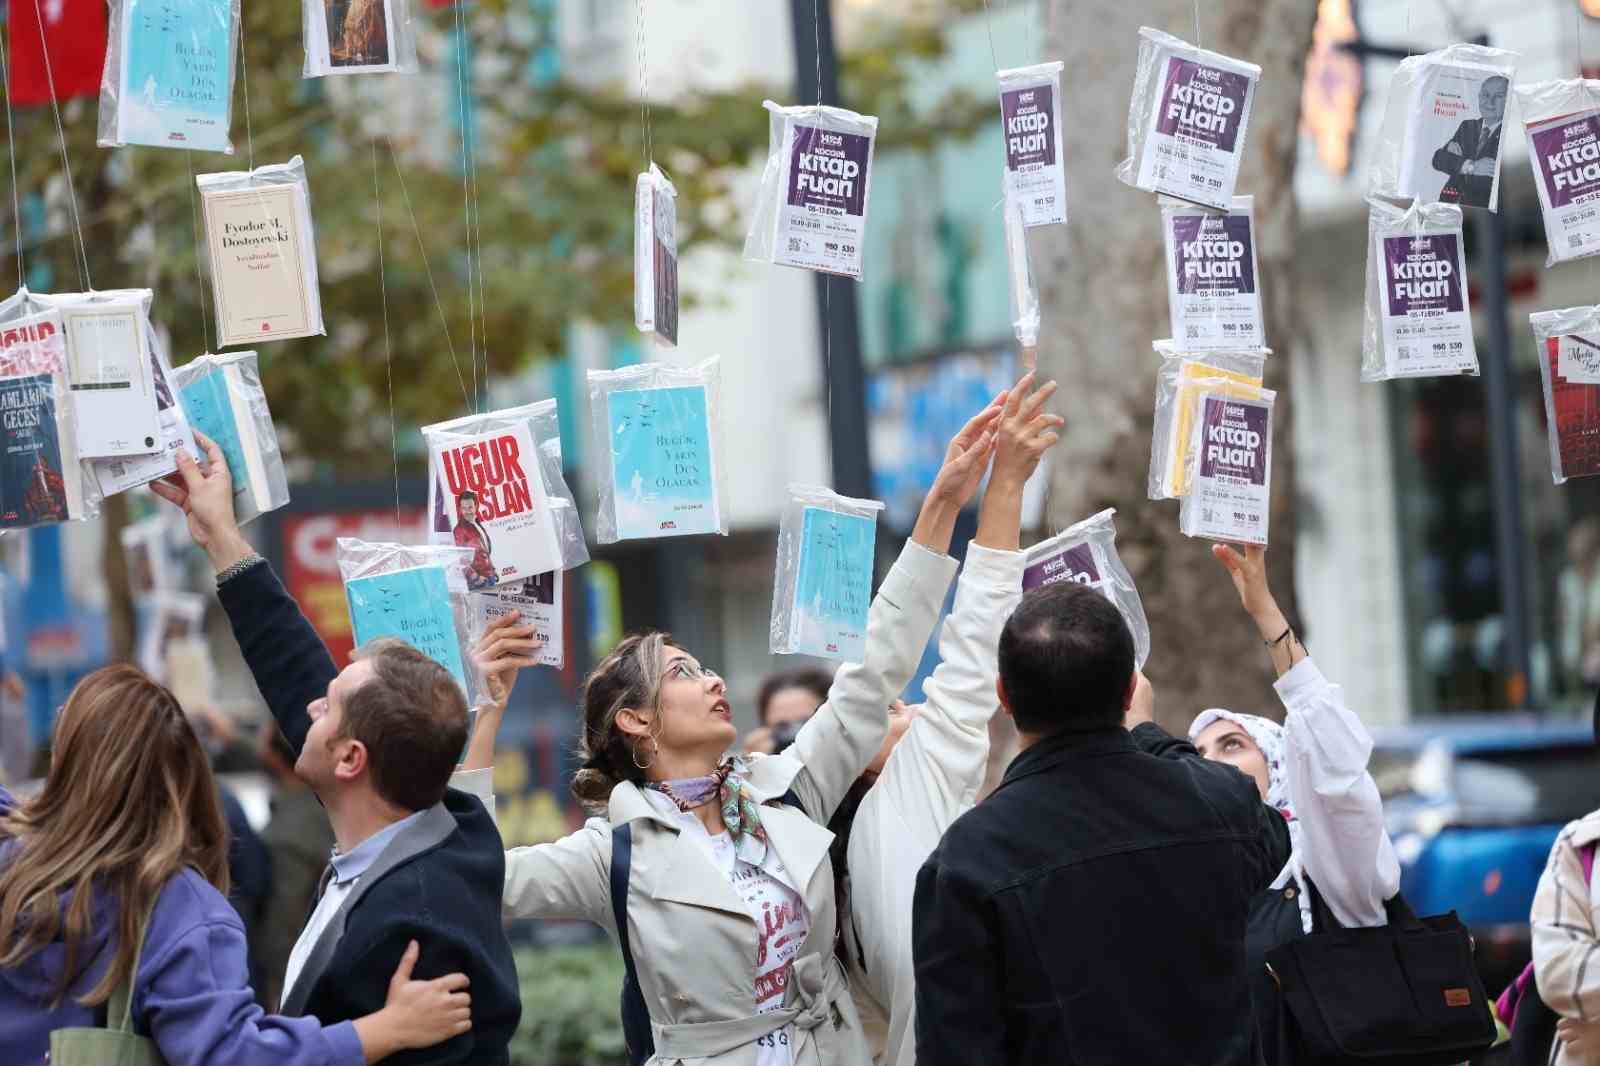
x=1453 y=136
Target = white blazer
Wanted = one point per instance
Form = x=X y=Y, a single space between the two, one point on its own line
x=932 y=777
x=694 y=944
x=1566 y=935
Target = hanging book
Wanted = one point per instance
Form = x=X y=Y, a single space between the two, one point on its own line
x=263 y=253
x=811 y=211
x=42 y=476
x=1086 y=553
x=129 y=472
x=1418 y=319
x=823 y=589
x=168 y=78
x=1024 y=296
x=1569 y=372
x=224 y=398
x=1562 y=119
x=1180 y=380
x=1231 y=480
x=655 y=256
x=1030 y=111
x=1212 y=293
x=110 y=371
x=358 y=37
x=536 y=602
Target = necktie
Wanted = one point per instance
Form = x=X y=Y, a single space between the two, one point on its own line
x=1483 y=142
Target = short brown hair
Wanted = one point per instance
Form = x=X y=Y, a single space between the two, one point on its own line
x=412 y=719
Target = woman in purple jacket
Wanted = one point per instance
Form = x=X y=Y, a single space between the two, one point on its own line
x=128 y=825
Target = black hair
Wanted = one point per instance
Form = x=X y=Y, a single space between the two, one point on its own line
x=1066 y=658
x=811 y=678
x=466 y=494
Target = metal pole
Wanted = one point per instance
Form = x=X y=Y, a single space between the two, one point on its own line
x=1500 y=399
x=843 y=378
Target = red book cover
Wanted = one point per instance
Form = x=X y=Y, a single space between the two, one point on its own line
x=1576 y=410
x=74 y=32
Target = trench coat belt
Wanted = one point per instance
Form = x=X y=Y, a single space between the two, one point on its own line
x=815 y=981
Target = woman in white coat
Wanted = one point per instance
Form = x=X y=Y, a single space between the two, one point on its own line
x=730 y=896
x=1566 y=943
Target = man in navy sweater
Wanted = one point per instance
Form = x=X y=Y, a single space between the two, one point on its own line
x=377 y=741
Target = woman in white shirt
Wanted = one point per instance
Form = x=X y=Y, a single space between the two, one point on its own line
x=1313 y=769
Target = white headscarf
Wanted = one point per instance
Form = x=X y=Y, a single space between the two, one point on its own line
x=1268 y=736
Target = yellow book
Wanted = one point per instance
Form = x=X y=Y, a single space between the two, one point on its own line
x=1195 y=378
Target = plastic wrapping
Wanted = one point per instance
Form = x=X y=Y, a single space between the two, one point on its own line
x=658 y=431
x=1568 y=344
x=1087 y=553
x=1434 y=144
x=1024 y=297
x=537 y=603
x=1178 y=386
x=1562 y=120
x=167 y=619
x=522 y=521
x=822 y=588
x=1418 y=316
x=811 y=211
x=1230 y=469
x=111 y=371
x=655 y=255
x=359 y=37
x=119 y=475
x=1213 y=281
x=262 y=251
x=417 y=593
x=1187 y=120
x=1030 y=111
x=224 y=400
x=43 y=478
x=168 y=75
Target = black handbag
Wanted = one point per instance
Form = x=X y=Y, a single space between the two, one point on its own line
x=1402 y=994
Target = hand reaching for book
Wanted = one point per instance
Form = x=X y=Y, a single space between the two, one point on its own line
x=502 y=652
x=1024 y=432
x=206 y=499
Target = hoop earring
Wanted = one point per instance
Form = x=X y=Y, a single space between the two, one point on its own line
x=644 y=766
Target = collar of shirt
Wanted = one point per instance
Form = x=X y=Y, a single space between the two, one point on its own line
x=359 y=859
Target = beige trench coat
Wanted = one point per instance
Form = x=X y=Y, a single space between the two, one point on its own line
x=694 y=944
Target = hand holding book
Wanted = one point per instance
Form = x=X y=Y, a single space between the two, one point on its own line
x=206 y=499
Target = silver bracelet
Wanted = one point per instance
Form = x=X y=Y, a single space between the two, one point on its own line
x=234 y=570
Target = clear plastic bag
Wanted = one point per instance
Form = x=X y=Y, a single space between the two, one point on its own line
x=1187 y=120
x=168 y=75
x=822 y=588
x=537 y=603
x=658 y=440
x=811 y=211
x=1230 y=469
x=262 y=250
x=167 y=618
x=43 y=478
x=1568 y=343
x=1178 y=386
x=129 y=472
x=224 y=399
x=1213 y=282
x=655 y=256
x=481 y=456
x=1087 y=554
x=1030 y=113
x=417 y=593
x=1435 y=123
x=1024 y=297
x=359 y=37
x=1418 y=316
x=1562 y=120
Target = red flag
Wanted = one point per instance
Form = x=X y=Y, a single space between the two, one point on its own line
x=447 y=3
x=74 y=32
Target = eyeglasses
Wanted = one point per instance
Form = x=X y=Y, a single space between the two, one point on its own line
x=684 y=670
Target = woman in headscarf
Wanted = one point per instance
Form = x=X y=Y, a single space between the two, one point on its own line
x=1313 y=770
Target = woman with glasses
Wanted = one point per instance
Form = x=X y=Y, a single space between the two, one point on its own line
x=723 y=879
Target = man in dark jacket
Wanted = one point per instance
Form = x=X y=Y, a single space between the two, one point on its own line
x=1091 y=911
x=1472 y=155
x=415 y=860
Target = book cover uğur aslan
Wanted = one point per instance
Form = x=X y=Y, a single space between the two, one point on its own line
x=33 y=488
x=492 y=495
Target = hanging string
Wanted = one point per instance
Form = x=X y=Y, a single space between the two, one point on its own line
x=66 y=163
x=11 y=143
x=199 y=275
x=1197 y=40
x=645 y=131
x=388 y=358
x=444 y=322
x=827 y=279
x=988 y=25
x=244 y=77
x=463 y=82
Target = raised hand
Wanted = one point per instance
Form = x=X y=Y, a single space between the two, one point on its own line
x=504 y=649
x=206 y=500
x=1025 y=431
x=965 y=461
x=1248 y=569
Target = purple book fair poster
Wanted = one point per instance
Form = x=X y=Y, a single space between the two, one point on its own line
x=1203 y=104
x=1071 y=564
x=1213 y=254
x=1197 y=132
x=825 y=202
x=1235 y=441
x=1228 y=500
x=1420 y=274
x=1030 y=140
x=1567 y=157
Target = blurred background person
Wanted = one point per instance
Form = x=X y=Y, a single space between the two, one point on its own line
x=785 y=702
x=1578 y=596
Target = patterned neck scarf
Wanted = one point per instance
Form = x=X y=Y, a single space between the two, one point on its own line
x=741 y=812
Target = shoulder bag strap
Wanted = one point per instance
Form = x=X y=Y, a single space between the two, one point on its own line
x=119 y=1009
x=621 y=870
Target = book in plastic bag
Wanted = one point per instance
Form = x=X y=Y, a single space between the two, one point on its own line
x=1087 y=554
x=1231 y=469
x=358 y=37
x=1213 y=293
x=151 y=568
x=1418 y=318
x=417 y=594
x=1569 y=371
x=811 y=211
x=1562 y=120
x=658 y=429
x=536 y=602
x=129 y=472
x=655 y=256
x=823 y=585
x=1187 y=120
x=1180 y=380
x=263 y=253
x=168 y=75
x=110 y=371
x=1024 y=296
x=495 y=487
x=1441 y=136
x=1036 y=173
x=43 y=479
x=225 y=401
